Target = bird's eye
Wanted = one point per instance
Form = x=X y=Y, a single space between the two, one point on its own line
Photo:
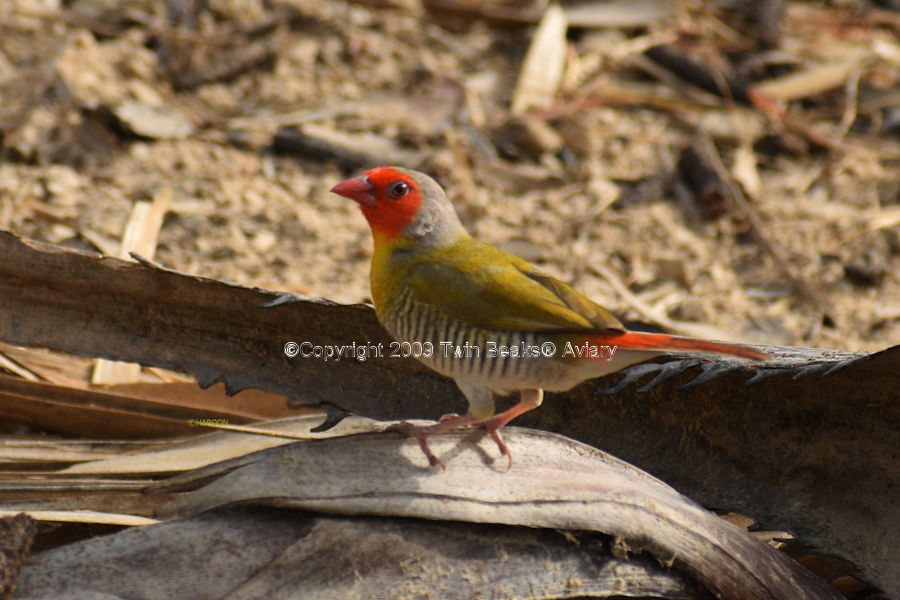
x=398 y=189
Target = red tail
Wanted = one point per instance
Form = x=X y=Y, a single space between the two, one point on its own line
x=635 y=340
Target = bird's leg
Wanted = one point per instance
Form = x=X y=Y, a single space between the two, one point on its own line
x=421 y=432
x=528 y=400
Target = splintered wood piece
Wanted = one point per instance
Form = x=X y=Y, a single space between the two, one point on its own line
x=543 y=66
x=814 y=80
x=617 y=13
x=16 y=368
x=84 y=516
x=621 y=13
x=152 y=122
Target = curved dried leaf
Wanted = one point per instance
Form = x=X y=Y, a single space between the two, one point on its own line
x=555 y=483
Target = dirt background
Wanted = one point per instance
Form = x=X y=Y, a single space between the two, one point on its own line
x=105 y=104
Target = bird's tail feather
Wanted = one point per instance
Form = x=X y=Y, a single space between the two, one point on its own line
x=636 y=340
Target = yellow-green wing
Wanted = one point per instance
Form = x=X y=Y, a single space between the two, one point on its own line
x=488 y=287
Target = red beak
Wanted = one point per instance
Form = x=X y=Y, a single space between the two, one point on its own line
x=358 y=189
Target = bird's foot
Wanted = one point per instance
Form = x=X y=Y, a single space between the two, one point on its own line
x=493 y=426
x=530 y=398
x=422 y=432
x=447 y=417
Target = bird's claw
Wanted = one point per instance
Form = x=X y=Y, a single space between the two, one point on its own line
x=504 y=449
x=421 y=433
x=448 y=423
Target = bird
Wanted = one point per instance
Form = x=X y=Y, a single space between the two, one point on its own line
x=494 y=322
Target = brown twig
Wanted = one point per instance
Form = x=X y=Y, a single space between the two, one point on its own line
x=800 y=285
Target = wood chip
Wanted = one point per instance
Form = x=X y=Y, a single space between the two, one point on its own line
x=813 y=80
x=152 y=122
x=542 y=68
x=83 y=516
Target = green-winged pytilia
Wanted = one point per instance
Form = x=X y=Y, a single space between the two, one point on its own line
x=434 y=284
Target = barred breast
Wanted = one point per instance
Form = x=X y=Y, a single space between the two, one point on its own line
x=501 y=360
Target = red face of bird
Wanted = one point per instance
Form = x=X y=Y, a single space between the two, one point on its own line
x=400 y=202
x=388 y=197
